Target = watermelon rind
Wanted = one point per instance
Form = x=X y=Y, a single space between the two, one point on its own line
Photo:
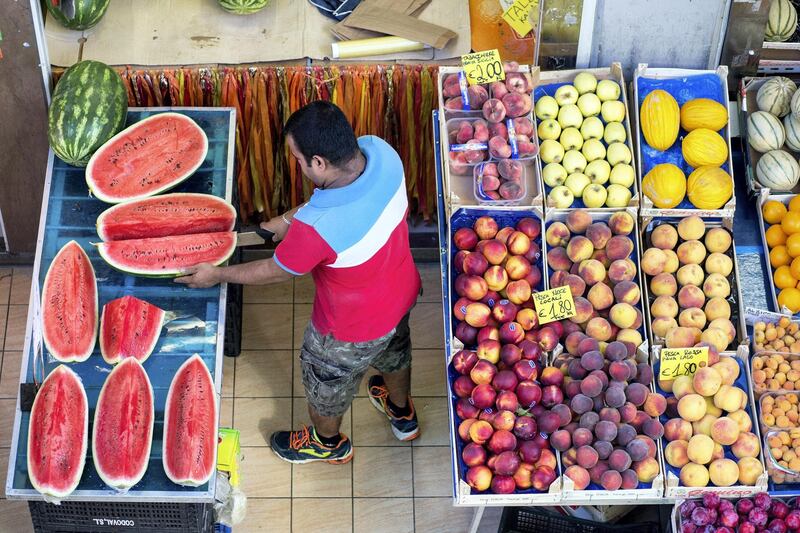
x=89 y=106
x=141 y=422
x=200 y=448
x=54 y=299
x=62 y=409
x=243 y=7
x=112 y=253
x=97 y=189
x=131 y=319
x=180 y=213
x=77 y=14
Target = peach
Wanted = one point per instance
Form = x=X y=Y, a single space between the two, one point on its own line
x=627 y=292
x=579 y=476
x=526 y=317
x=672 y=264
x=599 y=328
x=694 y=317
x=579 y=249
x=578 y=220
x=619 y=247
x=557 y=234
x=631 y=336
x=691 y=275
x=694 y=475
x=601 y=256
x=479 y=478
x=682 y=386
x=717 y=308
x=664 y=306
x=718 y=240
x=599 y=233
x=691 y=252
x=716 y=286
x=583 y=310
x=706 y=381
x=728 y=368
x=664 y=236
x=504 y=234
x=490 y=183
x=485 y=227
x=718 y=453
x=465 y=239
x=517 y=267
x=691 y=228
x=715 y=337
x=600 y=296
x=477 y=315
x=621 y=223
x=742 y=419
x=518 y=243
x=475 y=264
x=725 y=431
x=726 y=326
x=712 y=409
x=619 y=460
x=646 y=470
x=718 y=263
x=691 y=296
x=750 y=469
x=723 y=472
x=746 y=445
x=591 y=271
x=663 y=285
x=675 y=453
x=517 y=104
x=729 y=398
x=610 y=480
x=653 y=261
x=518 y=291
x=703 y=426
x=481 y=431
x=622 y=315
x=510 y=170
x=530 y=227
x=496 y=278
x=661 y=325
x=622 y=270
x=692 y=407
x=495 y=251
x=655 y=404
x=681 y=337
x=558 y=259
x=700 y=449
x=678 y=429
x=489 y=349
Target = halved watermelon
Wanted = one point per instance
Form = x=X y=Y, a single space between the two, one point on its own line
x=190 y=425
x=164 y=215
x=147 y=158
x=58 y=433
x=69 y=305
x=168 y=256
x=129 y=328
x=123 y=425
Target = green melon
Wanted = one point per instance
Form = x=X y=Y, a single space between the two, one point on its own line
x=77 y=14
x=764 y=132
x=775 y=95
x=778 y=170
x=243 y=7
x=781 y=22
x=89 y=106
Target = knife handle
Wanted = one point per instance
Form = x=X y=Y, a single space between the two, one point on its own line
x=265 y=234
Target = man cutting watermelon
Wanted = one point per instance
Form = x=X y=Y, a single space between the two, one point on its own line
x=352 y=238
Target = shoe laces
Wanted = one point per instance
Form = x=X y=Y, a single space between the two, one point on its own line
x=299 y=439
x=379 y=391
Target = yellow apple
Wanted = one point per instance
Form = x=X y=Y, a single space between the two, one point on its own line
x=546 y=107
x=589 y=104
x=593 y=149
x=561 y=197
x=618 y=196
x=571 y=139
x=551 y=151
x=554 y=174
x=566 y=94
x=614 y=133
x=576 y=183
x=592 y=128
x=622 y=174
x=598 y=171
x=612 y=111
x=607 y=90
x=549 y=128
x=594 y=195
x=574 y=161
x=618 y=153
x=570 y=116
x=585 y=82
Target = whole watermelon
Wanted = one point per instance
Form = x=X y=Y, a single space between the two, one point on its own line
x=77 y=14
x=89 y=107
x=243 y=7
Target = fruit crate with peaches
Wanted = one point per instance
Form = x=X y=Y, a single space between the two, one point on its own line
x=691 y=283
x=712 y=440
x=585 y=140
x=475 y=139
x=733 y=513
x=779 y=223
x=683 y=149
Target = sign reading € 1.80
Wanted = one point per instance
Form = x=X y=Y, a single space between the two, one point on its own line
x=555 y=304
x=483 y=67
x=681 y=362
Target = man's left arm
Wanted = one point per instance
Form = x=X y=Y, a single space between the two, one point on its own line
x=261 y=272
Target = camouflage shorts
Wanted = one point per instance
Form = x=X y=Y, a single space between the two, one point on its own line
x=333 y=370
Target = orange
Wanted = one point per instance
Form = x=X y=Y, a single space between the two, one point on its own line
x=794 y=204
x=773 y=211
x=793 y=244
x=783 y=277
x=775 y=236
x=791 y=222
x=779 y=256
x=794 y=268
x=790 y=298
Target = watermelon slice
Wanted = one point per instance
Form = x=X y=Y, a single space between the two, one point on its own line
x=129 y=327
x=123 y=426
x=147 y=158
x=69 y=305
x=58 y=433
x=165 y=215
x=190 y=425
x=168 y=256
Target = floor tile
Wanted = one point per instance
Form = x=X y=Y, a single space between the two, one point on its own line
x=322 y=480
x=301 y=417
x=433 y=422
x=4 y=453
x=390 y=515
x=226 y=413
x=269 y=516
x=322 y=515
x=21 y=285
x=297 y=375
x=266 y=326
x=371 y=428
x=228 y=372
x=15 y=517
x=3 y=315
x=428 y=373
x=302 y=316
x=264 y=374
x=384 y=472
x=7 y=407
x=426 y=326
x=490 y=521
x=431 y=276
x=265 y=475
x=257 y=418
x=304 y=290
x=5 y=284
x=15 y=327
x=437 y=515
x=274 y=293
x=9 y=374
x=432 y=471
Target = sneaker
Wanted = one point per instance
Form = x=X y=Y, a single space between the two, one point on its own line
x=404 y=428
x=302 y=446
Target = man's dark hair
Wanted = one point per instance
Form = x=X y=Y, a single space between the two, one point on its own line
x=321 y=129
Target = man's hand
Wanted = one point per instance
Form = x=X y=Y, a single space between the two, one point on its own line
x=277 y=226
x=200 y=276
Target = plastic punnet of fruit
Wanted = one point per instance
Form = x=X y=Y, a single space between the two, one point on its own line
x=783 y=455
x=780 y=411
x=773 y=371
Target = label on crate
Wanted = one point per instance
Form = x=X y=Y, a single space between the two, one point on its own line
x=483 y=67
x=512 y=138
x=681 y=362
x=468 y=147
x=517 y=15
x=555 y=304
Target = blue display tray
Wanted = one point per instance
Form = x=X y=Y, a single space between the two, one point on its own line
x=69 y=213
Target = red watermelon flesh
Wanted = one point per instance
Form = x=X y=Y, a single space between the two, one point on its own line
x=149 y=157
x=190 y=425
x=164 y=215
x=168 y=256
x=69 y=305
x=58 y=434
x=129 y=327
x=123 y=426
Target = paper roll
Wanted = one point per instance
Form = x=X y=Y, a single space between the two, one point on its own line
x=374 y=47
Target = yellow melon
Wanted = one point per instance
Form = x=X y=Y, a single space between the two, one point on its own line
x=704 y=147
x=665 y=185
x=703 y=113
x=709 y=187
x=659 y=118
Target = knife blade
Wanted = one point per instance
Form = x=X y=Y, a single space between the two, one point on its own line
x=253 y=236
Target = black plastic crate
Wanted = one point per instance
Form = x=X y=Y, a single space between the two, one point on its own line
x=100 y=517
x=535 y=520
x=232 y=345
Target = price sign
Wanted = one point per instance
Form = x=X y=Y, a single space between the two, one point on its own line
x=517 y=16
x=483 y=67
x=681 y=362
x=555 y=304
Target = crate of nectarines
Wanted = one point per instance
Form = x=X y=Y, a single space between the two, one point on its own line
x=712 y=440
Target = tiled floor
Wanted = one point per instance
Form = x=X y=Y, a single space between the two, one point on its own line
x=389 y=487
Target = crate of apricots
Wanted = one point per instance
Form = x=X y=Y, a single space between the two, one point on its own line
x=776 y=363
x=779 y=411
x=783 y=455
x=780 y=231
